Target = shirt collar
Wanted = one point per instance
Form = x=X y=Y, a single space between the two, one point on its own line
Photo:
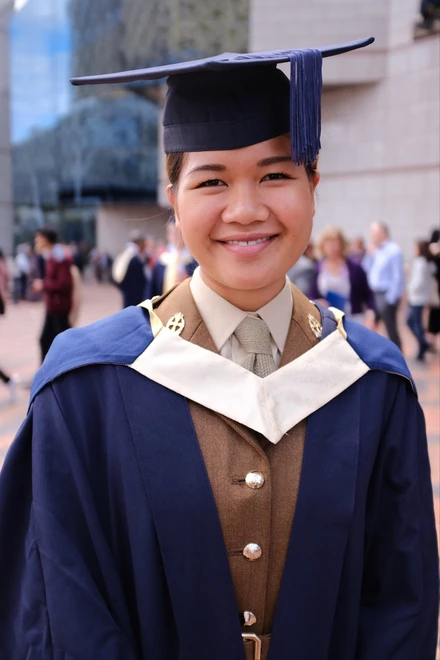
x=221 y=318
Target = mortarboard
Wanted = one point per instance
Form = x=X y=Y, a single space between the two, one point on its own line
x=234 y=100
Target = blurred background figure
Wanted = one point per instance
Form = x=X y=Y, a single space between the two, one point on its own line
x=338 y=281
x=57 y=286
x=173 y=266
x=419 y=294
x=129 y=270
x=22 y=264
x=357 y=250
x=5 y=378
x=384 y=266
x=434 y=305
x=430 y=11
x=4 y=282
x=302 y=273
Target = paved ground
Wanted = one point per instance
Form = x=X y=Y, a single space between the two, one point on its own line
x=19 y=354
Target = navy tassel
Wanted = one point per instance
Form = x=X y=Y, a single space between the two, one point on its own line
x=305 y=105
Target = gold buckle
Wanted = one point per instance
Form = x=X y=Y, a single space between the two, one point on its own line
x=257 y=641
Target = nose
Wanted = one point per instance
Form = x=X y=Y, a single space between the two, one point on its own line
x=245 y=206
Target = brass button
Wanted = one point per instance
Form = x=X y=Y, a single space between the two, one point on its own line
x=254 y=480
x=252 y=551
x=249 y=618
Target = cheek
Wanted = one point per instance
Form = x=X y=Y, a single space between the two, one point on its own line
x=294 y=209
x=197 y=218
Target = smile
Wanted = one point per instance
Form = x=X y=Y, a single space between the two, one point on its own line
x=248 y=248
x=245 y=243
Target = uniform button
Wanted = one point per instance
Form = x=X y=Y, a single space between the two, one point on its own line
x=252 y=551
x=254 y=480
x=249 y=618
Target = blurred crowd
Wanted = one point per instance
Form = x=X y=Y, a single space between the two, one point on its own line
x=367 y=278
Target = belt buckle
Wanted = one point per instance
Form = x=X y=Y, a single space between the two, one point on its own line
x=257 y=641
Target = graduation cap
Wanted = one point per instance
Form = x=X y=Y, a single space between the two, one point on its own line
x=235 y=100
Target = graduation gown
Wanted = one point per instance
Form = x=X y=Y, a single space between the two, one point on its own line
x=111 y=545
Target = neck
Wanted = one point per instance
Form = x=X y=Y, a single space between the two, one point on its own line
x=248 y=300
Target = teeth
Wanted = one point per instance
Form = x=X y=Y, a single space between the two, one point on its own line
x=245 y=243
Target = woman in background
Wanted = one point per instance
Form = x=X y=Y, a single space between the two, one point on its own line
x=338 y=281
x=419 y=294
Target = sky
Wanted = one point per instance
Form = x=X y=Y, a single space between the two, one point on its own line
x=40 y=65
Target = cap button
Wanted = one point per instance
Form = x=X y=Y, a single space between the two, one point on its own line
x=254 y=480
x=252 y=551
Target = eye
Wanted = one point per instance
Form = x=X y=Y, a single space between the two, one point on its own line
x=211 y=183
x=276 y=176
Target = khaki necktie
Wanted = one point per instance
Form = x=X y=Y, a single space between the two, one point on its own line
x=254 y=336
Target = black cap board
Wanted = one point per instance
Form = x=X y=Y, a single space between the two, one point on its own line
x=234 y=100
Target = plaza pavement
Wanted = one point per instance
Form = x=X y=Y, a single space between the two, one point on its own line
x=19 y=354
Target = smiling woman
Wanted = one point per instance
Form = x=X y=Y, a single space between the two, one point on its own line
x=228 y=470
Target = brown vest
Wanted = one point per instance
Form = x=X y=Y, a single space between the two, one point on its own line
x=261 y=515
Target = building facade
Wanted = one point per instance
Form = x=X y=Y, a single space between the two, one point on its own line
x=381 y=107
x=86 y=158
x=6 y=214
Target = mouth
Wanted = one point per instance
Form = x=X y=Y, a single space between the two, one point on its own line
x=248 y=245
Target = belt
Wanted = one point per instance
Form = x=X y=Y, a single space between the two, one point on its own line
x=255 y=648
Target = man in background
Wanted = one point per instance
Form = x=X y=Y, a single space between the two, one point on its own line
x=384 y=267
x=56 y=286
x=302 y=273
x=173 y=266
x=129 y=270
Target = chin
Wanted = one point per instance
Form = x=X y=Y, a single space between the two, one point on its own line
x=250 y=282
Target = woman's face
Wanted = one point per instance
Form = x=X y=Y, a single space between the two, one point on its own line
x=245 y=215
x=332 y=248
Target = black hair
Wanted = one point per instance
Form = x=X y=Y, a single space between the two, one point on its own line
x=50 y=234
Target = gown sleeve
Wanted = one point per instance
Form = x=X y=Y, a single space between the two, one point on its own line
x=399 y=604
x=55 y=602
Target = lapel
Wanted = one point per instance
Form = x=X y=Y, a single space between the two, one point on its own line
x=323 y=515
x=272 y=405
x=186 y=520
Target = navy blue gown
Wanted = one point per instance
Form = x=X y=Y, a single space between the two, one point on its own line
x=110 y=543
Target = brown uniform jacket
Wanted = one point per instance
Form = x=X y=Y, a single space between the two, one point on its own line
x=256 y=521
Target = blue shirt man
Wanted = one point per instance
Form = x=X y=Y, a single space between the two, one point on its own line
x=385 y=277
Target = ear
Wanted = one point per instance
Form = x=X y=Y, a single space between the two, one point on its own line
x=171 y=194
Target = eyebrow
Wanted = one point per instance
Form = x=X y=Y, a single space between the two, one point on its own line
x=265 y=162
x=274 y=160
x=209 y=167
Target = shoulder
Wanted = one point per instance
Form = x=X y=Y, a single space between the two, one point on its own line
x=378 y=353
x=117 y=339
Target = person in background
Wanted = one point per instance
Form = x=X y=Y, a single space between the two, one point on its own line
x=8 y=380
x=384 y=266
x=302 y=273
x=419 y=294
x=357 y=250
x=4 y=282
x=338 y=281
x=129 y=270
x=22 y=270
x=434 y=306
x=173 y=266
x=56 y=286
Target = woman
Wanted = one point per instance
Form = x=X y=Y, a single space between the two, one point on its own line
x=5 y=378
x=419 y=294
x=339 y=281
x=175 y=445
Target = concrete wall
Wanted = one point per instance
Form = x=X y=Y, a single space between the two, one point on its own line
x=381 y=140
x=5 y=151
x=381 y=149
x=312 y=23
x=115 y=222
